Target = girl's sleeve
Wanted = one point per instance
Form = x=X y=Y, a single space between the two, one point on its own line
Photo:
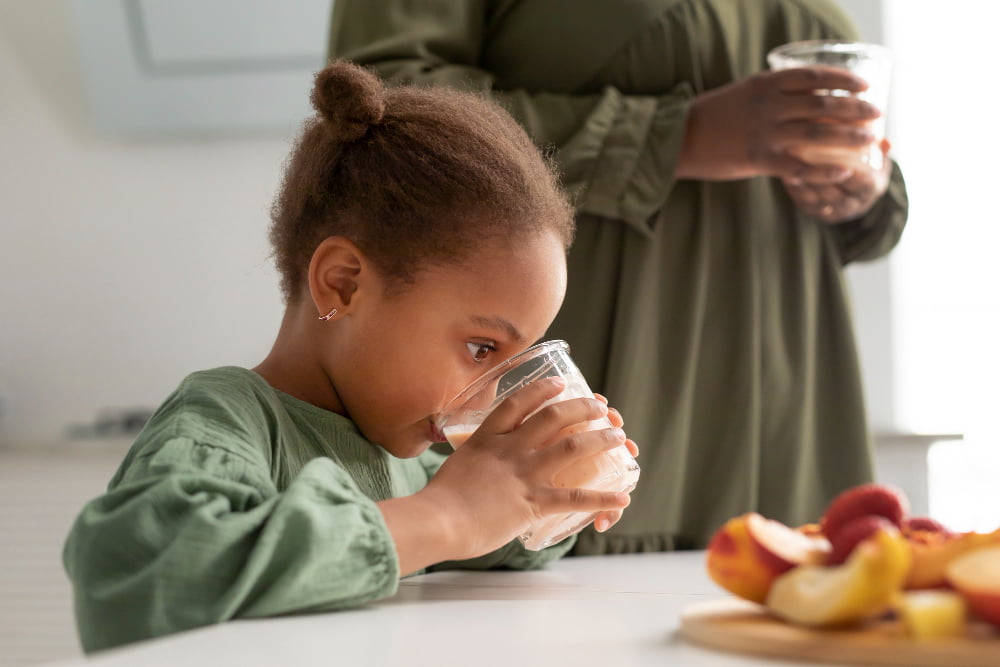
x=197 y=534
x=617 y=153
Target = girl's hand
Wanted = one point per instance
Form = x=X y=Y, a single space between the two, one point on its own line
x=605 y=520
x=847 y=200
x=750 y=127
x=502 y=480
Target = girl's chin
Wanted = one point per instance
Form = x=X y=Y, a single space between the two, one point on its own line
x=409 y=449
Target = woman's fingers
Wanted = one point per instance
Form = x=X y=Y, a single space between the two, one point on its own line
x=807 y=79
x=830 y=108
x=796 y=172
x=816 y=133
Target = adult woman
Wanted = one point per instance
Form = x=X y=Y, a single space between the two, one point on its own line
x=706 y=297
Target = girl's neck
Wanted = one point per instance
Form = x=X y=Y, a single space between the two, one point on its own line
x=293 y=365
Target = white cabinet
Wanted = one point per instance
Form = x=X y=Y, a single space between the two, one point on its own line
x=195 y=67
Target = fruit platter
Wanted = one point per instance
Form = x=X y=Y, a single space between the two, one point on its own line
x=867 y=584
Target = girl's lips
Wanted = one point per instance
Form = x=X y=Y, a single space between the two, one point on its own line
x=436 y=434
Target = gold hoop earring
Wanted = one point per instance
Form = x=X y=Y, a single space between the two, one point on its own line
x=328 y=316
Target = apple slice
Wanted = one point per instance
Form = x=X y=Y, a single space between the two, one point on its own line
x=976 y=576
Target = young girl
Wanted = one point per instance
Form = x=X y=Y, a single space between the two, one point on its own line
x=421 y=239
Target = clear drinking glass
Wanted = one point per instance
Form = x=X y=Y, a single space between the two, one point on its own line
x=871 y=62
x=614 y=470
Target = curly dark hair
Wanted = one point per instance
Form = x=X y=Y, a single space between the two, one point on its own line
x=415 y=176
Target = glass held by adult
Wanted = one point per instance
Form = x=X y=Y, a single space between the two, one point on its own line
x=759 y=125
x=872 y=62
x=612 y=470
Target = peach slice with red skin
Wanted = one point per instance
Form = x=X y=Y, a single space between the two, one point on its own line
x=976 y=576
x=853 y=532
x=864 y=586
x=748 y=552
x=863 y=500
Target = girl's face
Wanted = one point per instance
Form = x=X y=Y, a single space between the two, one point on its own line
x=399 y=360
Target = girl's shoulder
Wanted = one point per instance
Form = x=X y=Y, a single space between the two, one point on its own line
x=215 y=407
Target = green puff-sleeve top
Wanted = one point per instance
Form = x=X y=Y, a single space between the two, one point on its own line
x=714 y=315
x=238 y=500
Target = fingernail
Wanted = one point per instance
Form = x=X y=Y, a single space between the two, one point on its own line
x=601 y=525
x=617 y=434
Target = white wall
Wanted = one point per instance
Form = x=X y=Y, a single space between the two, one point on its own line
x=125 y=265
x=122 y=265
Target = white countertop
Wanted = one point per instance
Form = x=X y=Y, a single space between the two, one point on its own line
x=599 y=610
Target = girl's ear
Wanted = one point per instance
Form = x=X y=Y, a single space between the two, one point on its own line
x=336 y=271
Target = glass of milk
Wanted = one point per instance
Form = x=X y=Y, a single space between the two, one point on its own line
x=613 y=470
x=872 y=63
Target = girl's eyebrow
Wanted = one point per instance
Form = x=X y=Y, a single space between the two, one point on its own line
x=498 y=323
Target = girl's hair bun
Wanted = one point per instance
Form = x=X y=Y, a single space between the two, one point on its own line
x=349 y=98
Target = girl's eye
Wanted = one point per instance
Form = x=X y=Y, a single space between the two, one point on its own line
x=480 y=351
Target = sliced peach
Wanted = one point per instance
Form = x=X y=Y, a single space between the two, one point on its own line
x=933 y=552
x=830 y=595
x=976 y=576
x=932 y=614
x=852 y=533
x=863 y=500
x=748 y=552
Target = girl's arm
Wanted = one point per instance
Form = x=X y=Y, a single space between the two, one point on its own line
x=197 y=534
x=500 y=481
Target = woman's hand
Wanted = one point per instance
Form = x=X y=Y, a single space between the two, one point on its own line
x=503 y=479
x=845 y=200
x=754 y=126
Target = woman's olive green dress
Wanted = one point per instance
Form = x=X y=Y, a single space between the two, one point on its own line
x=714 y=315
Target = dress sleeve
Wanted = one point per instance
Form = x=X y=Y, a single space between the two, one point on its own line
x=617 y=153
x=195 y=534
x=878 y=231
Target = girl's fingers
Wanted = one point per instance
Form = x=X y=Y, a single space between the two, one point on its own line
x=557 y=501
x=633 y=448
x=572 y=448
x=545 y=426
x=513 y=411
x=605 y=520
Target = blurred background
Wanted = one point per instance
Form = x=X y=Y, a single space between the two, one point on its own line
x=141 y=142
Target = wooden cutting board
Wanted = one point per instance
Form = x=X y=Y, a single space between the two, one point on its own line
x=739 y=626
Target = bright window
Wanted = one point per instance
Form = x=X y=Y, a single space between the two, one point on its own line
x=946 y=273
